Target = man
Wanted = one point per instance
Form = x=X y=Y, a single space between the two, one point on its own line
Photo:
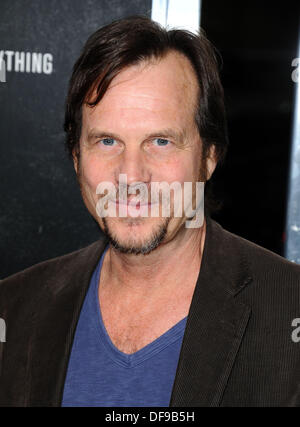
x=156 y=313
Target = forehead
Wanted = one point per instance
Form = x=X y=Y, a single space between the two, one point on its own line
x=161 y=87
x=172 y=72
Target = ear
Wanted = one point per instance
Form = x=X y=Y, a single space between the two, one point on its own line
x=211 y=162
x=75 y=161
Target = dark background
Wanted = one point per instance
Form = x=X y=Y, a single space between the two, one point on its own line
x=41 y=212
x=257 y=41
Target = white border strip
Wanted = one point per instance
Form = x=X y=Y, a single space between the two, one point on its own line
x=184 y=14
x=292 y=249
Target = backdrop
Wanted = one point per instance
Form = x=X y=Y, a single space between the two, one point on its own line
x=41 y=213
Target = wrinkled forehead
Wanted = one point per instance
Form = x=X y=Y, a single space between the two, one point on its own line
x=157 y=84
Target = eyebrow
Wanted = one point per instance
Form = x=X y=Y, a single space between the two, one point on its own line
x=168 y=133
x=163 y=133
x=97 y=133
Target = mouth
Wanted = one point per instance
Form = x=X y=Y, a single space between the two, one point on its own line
x=133 y=203
x=133 y=208
x=136 y=205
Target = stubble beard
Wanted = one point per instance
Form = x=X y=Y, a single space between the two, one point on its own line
x=134 y=247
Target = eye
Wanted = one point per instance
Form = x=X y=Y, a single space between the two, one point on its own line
x=161 y=142
x=108 y=142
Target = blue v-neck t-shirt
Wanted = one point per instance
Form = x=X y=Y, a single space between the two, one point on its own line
x=100 y=375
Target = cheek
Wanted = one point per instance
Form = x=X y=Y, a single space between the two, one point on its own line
x=170 y=172
x=185 y=169
x=91 y=172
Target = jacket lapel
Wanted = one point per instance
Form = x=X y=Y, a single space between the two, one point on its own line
x=57 y=314
x=216 y=322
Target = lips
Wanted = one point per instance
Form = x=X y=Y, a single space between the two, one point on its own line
x=132 y=202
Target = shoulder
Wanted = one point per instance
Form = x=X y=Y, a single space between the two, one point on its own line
x=269 y=272
x=44 y=274
x=265 y=261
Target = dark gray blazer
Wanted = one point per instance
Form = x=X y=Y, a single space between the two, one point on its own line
x=237 y=348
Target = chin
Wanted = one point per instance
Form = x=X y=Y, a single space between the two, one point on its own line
x=135 y=235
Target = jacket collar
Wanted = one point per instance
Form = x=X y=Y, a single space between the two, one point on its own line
x=214 y=330
x=216 y=321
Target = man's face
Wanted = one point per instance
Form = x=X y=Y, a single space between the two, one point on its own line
x=143 y=127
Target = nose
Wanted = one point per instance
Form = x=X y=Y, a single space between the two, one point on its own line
x=133 y=164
